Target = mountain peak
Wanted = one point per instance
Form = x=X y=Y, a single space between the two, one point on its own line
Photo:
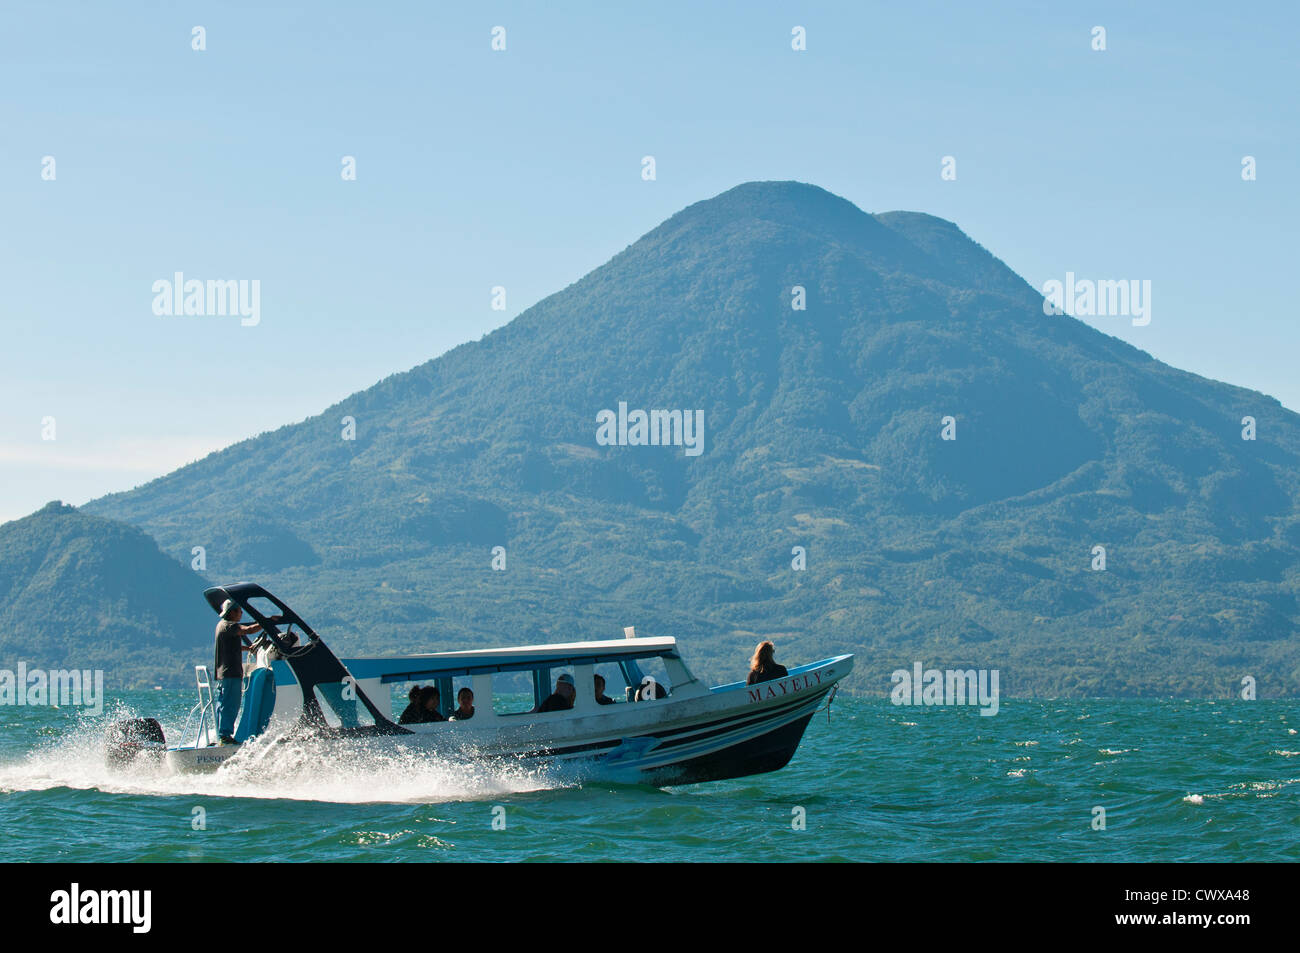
x=791 y=201
x=56 y=508
x=777 y=193
x=787 y=226
x=786 y=202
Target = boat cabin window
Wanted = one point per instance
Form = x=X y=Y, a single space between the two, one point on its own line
x=410 y=699
x=654 y=668
x=399 y=697
x=452 y=702
x=512 y=693
x=407 y=700
x=547 y=686
x=341 y=705
x=516 y=693
x=615 y=683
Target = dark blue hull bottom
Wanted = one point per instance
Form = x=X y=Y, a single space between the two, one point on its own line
x=768 y=752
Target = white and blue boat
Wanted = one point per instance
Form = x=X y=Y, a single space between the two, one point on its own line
x=680 y=733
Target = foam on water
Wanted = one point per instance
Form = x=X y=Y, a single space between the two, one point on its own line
x=306 y=770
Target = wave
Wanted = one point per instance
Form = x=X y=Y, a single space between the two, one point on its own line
x=331 y=770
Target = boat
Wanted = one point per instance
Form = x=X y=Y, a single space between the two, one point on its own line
x=666 y=730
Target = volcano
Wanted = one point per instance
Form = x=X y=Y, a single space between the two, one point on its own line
x=901 y=456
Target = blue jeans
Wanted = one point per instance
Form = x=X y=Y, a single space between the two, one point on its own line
x=228 y=694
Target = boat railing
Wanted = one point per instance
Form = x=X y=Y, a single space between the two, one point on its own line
x=792 y=673
x=204 y=711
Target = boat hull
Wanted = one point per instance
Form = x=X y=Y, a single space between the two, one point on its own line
x=770 y=751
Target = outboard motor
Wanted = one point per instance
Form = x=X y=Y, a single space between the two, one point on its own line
x=133 y=741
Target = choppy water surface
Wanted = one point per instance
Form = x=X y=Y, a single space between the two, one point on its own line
x=1212 y=781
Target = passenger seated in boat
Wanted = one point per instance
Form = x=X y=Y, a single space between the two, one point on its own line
x=431 y=699
x=413 y=714
x=601 y=697
x=763 y=667
x=643 y=693
x=562 y=698
x=464 y=705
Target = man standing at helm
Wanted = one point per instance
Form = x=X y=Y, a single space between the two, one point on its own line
x=228 y=668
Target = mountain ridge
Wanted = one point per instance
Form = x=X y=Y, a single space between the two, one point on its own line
x=78 y=591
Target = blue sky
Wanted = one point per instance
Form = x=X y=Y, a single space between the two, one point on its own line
x=522 y=168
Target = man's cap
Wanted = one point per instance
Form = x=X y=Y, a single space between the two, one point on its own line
x=565 y=679
x=227 y=606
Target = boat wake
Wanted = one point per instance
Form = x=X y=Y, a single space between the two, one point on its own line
x=349 y=772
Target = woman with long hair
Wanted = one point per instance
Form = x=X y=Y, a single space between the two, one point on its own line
x=763 y=667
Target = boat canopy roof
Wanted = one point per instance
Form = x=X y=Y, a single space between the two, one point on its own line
x=406 y=668
x=261 y=605
x=257 y=602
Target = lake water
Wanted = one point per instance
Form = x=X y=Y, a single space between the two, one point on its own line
x=1178 y=781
